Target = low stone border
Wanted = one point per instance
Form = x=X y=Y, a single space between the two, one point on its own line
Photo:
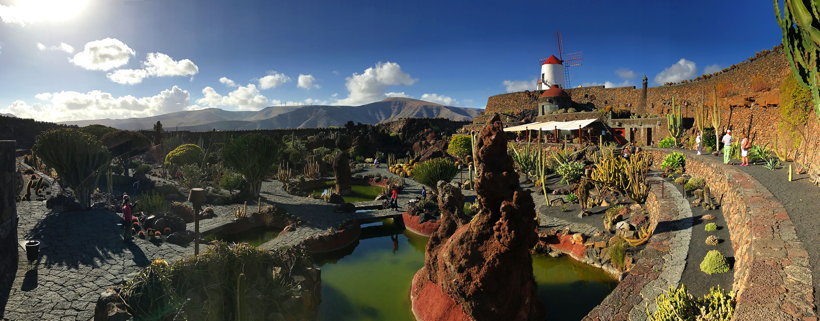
x=658 y=266
x=412 y=224
x=773 y=278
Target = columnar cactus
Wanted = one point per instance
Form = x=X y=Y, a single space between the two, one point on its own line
x=700 y=114
x=675 y=122
x=716 y=118
x=801 y=42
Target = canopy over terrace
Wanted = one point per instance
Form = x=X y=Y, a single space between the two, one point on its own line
x=556 y=126
x=552 y=125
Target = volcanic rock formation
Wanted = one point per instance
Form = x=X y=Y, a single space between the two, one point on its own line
x=480 y=268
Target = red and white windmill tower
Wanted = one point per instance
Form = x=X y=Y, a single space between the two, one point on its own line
x=555 y=70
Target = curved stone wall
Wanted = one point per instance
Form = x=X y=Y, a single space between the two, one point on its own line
x=772 y=274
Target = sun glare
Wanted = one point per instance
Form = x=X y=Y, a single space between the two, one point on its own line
x=34 y=11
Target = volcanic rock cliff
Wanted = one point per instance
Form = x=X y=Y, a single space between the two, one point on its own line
x=480 y=268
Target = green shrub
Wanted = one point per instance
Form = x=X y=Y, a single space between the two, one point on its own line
x=667 y=142
x=710 y=227
x=142 y=169
x=469 y=209
x=460 y=146
x=192 y=176
x=184 y=155
x=795 y=110
x=714 y=262
x=151 y=203
x=572 y=198
x=617 y=252
x=681 y=180
x=759 y=153
x=222 y=283
x=231 y=181
x=679 y=305
x=434 y=170
x=77 y=157
x=694 y=183
x=570 y=172
x=674 y=160
x=251 y=155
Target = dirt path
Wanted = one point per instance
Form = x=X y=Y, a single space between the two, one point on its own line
x=802 y=201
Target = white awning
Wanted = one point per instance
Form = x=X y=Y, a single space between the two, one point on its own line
x=520 y=128
x=552 y=125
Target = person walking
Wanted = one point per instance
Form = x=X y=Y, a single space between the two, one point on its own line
x=745 y=145
x=727 y=146
x=394 y=198
x=698 y=142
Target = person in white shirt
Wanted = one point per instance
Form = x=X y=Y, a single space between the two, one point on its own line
x=698 y=143
x=727 y=146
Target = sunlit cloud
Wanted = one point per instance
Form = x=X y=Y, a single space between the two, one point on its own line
x=64 y=47
x=370 y=85
x=25 y=12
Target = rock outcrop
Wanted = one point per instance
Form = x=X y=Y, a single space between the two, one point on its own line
x=480 y=268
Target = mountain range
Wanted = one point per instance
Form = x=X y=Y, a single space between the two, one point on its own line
x=291 y=116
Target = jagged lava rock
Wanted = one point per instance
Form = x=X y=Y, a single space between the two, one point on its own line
x=480 y=268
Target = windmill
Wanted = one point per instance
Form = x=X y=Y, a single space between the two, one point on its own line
x=555 y=70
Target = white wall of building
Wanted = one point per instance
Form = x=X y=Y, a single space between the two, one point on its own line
x=551 y=74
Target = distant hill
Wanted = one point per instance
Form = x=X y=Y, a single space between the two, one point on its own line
x=7 y=115
x=292 y=116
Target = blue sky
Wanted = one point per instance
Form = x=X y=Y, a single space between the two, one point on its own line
x=84 y=59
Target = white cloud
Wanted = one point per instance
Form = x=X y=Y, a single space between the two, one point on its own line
x=608 y=84
x=370 y=85
x=396 y=94
x=227 y=82
x=156 y=64
x=518 y=85
x=710 y=69
x=35 y=11
x=441 y=99
x=306 y=82
x=64 y=47
x=96 y=104
x=161 y=65
x=105 y=54
x=625 y=73
x=127 y=76
x=272 y=80
x=683 y=69
x=242 y=98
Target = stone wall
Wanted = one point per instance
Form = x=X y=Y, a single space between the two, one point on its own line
x=8 y=220
x=772 y=275
x=748 y=95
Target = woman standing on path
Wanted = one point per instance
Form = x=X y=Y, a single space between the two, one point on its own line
x=727 y=146
x=394 y=198
x=745 y=145
x=698 y=141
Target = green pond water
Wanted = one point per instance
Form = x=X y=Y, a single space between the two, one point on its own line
x=361 y=193
x=255 y=236
x=372 y=280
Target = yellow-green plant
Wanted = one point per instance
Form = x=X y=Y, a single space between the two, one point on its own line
x=674 y=122
x=800 y=24
x=677 y=304
x=636 y=169
x=251 y=155
x=714 y=262
x=609 y=170
x=701 y=114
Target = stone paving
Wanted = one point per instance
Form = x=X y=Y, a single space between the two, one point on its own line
x=83 y=253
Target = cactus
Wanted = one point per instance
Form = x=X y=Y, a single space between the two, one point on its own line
x=675 y=122
x=715 y=118
x=77 y=157
x=251 y=155
x=801 y=42
x=311 y=169
x=284 y=174
x=700 y=114
x=636 y=168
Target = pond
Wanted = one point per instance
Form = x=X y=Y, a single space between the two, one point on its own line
x=255 y=236
x=361 y=192
x=372 y=280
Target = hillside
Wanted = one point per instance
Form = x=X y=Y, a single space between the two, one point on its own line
x=292 y=116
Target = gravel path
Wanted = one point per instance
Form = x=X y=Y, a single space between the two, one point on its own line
x=675 y=260
x=800 y=198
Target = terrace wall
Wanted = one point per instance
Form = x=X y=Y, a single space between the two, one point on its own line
x=772 y=275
